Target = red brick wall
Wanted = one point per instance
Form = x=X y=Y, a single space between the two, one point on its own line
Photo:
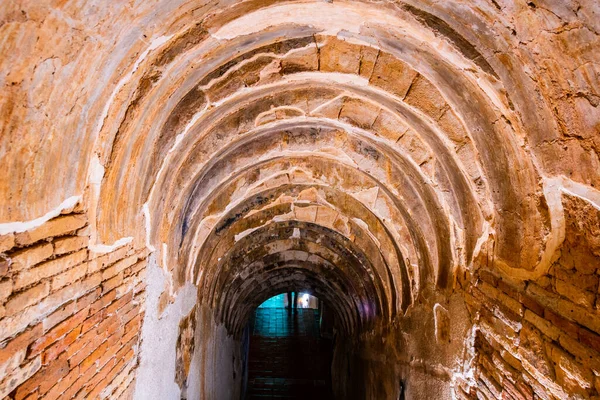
x=69 y=318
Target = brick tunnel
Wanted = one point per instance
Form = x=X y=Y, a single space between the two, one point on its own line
x=428 y=170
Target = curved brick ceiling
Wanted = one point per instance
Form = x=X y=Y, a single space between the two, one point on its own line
x=365 y=152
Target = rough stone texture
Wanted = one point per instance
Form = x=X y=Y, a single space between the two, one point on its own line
x=551 y=347
x=429 y=169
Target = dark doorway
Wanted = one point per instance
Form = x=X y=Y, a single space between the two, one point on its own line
x=288 y=357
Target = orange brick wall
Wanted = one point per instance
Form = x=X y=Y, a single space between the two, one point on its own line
x=70 y=318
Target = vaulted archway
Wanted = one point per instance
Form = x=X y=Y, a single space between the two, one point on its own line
x=428 y=170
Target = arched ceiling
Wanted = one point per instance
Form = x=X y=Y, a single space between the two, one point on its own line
x=366 y=151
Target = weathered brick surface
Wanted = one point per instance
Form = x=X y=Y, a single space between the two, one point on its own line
x=7 y=242
x=26 y=298
x=30 y=256
x=59 y=226
x=71 y=324
x=557 y=351
x=50 y=268
x=70 y=244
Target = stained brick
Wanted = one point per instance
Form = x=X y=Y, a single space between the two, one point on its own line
x=5 y=289
x=545 y=326
x=17 y=377
x=135 y=268
x=88 y=299
x=59 y=226
x=68 y=276
x=59 y=331
x=79 y=385
x=27 y=298
x=130 y=334
x=102 y=379
x=119 y=303
x=4 y=265
x=44 y=379
x=70 y=309
x=112 y=283
x=562 y=323
x=60 y=346
x=113 y=347
x=531 y=304
x=20 y=342
x=101 y=262
x=49 y=268
x=59 y=315
x=95 y=355
x=92 y=321
x=125 y=391
x=127 y=315
x=126 y=346
x=7 y=242
x=118 y=267
x=68 y=341
x=83 y=347
x=122 y=378
x=589 y=338
x=579 y=314
x=575 y=294
x=31 y=256
x=134 y=324
x=69 y=244
x=63 y=385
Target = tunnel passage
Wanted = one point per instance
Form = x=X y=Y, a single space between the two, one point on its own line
x=290 y=349
x=428 y=169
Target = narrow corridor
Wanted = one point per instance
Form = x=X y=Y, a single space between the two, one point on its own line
x=288 y=358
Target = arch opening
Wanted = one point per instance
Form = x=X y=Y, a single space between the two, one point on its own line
x=290 y=354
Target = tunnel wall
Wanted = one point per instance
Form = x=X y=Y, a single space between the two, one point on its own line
x=219 y=360
x=542 y=337
x=71 y=322
x=506 y=338
x=184 y=353
x=418 y=357
x=538 y=336
x=70 y=316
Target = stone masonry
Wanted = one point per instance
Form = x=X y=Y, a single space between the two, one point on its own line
x=428 y=169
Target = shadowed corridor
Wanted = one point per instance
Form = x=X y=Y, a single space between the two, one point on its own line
x=288 y=358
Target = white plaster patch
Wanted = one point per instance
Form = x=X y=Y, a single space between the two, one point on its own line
x=368 y=196
x=148 y=225
x=156 y=373
x=105 y=248
x=334 y=77
x=329 y=17
x=96 y=171
x=245 y=233
x=485 y=235
x=10 y=227
x=467 y=372
x=579 y=190
x=441 y=323
x=553 y=188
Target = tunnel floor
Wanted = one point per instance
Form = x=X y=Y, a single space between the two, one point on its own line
x=288 y=358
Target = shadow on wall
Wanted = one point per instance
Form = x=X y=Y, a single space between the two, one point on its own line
x=176 y=365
